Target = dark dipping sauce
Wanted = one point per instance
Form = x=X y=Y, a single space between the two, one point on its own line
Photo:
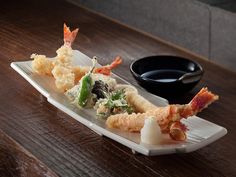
x=162 y=74
x=165 y=75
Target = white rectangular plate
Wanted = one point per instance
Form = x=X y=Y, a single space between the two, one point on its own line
x=200 y=134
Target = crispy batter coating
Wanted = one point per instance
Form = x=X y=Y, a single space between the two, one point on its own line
x=80 y=71
x=135 y=121
x=64 y=56
x=42 y=65
x=64 y=76
x=139 y=103
x=167 y=117
x=59 y=67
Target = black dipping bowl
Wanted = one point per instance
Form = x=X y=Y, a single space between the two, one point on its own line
x=166 y=75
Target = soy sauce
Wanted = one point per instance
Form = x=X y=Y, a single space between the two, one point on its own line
x=163 y=75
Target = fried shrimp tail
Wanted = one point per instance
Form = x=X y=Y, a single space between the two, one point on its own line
x=167 y=117
x=106 y=70
x=202 y=100
x=80 y=71
x=69 y=36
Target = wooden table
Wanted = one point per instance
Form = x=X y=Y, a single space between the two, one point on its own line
x=62 y=146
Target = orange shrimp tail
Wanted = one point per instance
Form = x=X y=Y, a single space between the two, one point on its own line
x=116 y=62
x=106 y=70
x=69 y=36
x=177 y=131
x=103 y=70
x=202 y=100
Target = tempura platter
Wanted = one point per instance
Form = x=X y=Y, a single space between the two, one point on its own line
x=200 y=134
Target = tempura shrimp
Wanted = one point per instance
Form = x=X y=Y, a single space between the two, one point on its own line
x=80 y=71
x=167 y=117
x=63 y=71
x=65 y=52
x=44 y=66
x=60 y=67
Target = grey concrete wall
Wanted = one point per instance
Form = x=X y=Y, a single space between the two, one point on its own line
x=196 y=26
x=215 y=2
x=223 y=38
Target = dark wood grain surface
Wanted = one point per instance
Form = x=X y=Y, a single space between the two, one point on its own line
x=15 y=161
x=67 y=147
